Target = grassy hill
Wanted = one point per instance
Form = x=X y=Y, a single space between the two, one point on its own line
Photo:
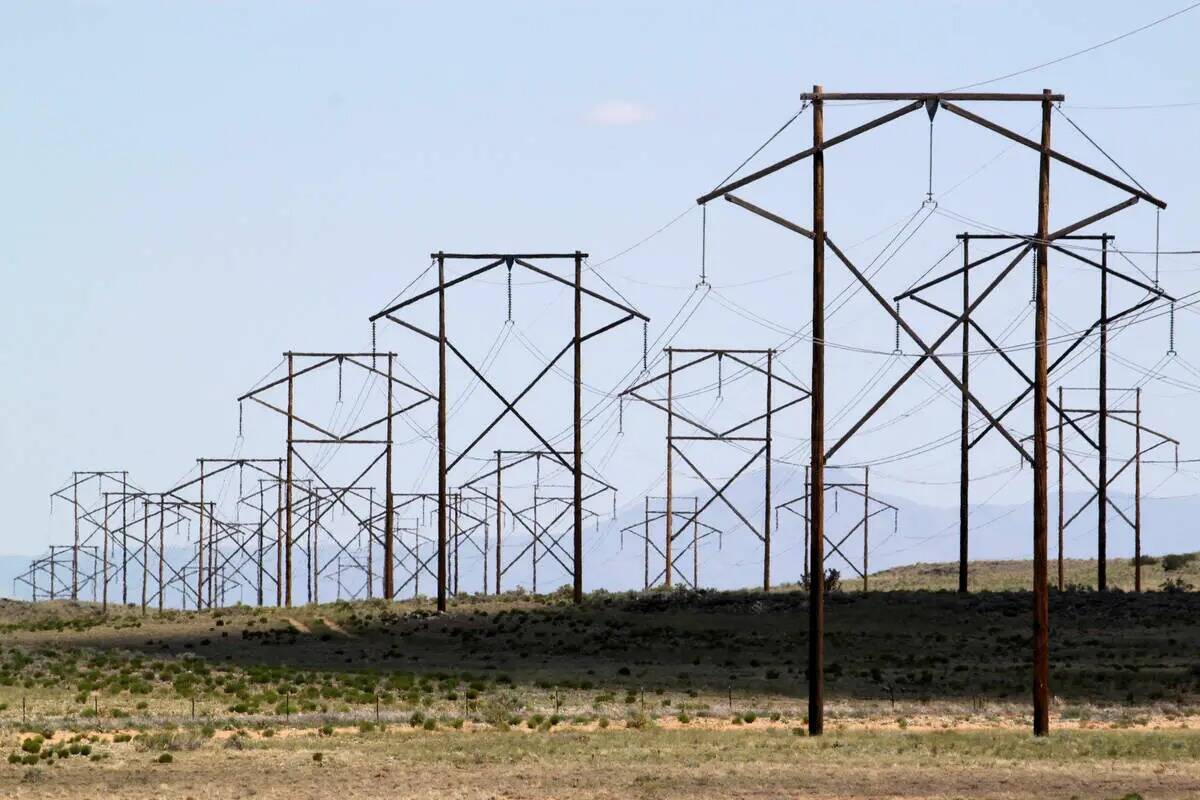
x=1008 y=576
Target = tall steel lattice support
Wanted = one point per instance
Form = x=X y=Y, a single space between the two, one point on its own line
x=446 y=347
x=821 y=242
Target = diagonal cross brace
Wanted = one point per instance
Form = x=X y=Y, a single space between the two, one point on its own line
x=719 y=492
x=927 y=350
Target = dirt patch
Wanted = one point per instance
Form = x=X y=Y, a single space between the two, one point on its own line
x=333 y=626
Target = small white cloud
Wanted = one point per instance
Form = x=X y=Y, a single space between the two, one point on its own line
x=619 y=112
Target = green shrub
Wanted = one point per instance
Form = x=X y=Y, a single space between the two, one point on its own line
x=164 y=758
x=1174 y=561
x=638 y=721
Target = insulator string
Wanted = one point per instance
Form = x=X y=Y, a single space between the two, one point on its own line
x=1033 y=280
x=1171 y=331
x=645 y=344
x=896 y=346
x=929 y=192
x=1157 y=225
x=510 y=319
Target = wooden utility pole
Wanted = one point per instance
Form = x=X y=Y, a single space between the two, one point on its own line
x=124 y=541
x=964 y=443
x=646 y=544
x=816 y=580
x=75 y=549
x=695 y=542
x=668 y=521
x=1102 y=432
x=145 y=550
x=200 y=539
x=806 y=522
x=262 y=524
x=1137 y=492
x=537 y=533
x=104 y=591
x=1041 y=598
x=443 y=510
x=289 y=532
x=314 y=530
x=486 y=543
x=1062 y=499
x=457 y=538
x=279 y=531
x=866 y=524
x=389 y=531
x=767 y=481
x=162 y=590
x=578 y=565
x=499 y=519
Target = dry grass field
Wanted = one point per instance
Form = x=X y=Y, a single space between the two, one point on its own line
x=647 y=696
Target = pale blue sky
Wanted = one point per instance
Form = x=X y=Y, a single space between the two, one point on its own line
x=193 y=188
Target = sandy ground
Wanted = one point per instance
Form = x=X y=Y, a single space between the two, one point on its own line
x=617 y=764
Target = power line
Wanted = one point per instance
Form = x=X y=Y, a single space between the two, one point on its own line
x=1089 y=49
x=1190 y=104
